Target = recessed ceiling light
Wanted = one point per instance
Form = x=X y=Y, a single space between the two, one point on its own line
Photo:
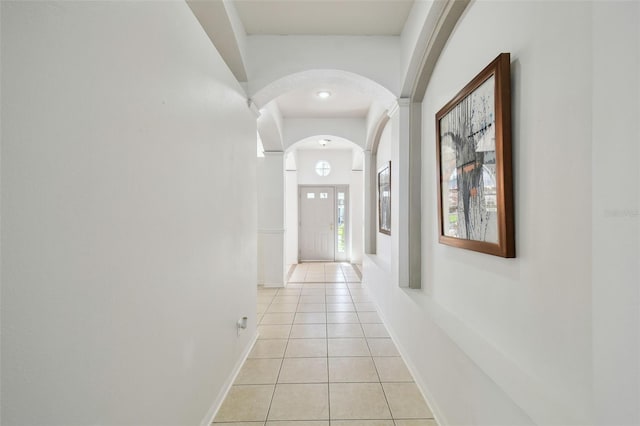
x=323 y=94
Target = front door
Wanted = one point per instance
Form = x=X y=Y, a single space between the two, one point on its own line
x=317 y=227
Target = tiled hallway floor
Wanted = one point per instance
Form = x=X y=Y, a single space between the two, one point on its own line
x=323 y=357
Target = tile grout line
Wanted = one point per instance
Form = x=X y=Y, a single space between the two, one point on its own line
x=386 y=400
x=275 y=385
x=326 y=323
x=266 y=310
x=328 y=369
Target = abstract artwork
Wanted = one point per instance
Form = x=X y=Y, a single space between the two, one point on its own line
x=384 y=200
x=473 y=134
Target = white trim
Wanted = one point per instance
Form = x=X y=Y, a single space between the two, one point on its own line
x=271 y=231
x=543 y=405
x=254 y=109
x=335 y=227
x=273 y=285
x=436 y=30
x=217 y=403
x=393 y=108
x=422 y=387
x=347 y=225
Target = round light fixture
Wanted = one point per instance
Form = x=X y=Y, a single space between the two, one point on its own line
x=323 y=94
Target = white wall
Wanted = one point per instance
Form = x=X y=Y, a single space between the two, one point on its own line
x=274 y=57
x=271 y=220
x=128 y=215
x=297 y=129
x=510 y=341
x=340 y=161
x=615 y=212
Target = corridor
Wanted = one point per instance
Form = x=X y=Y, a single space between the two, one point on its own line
x=323 y=355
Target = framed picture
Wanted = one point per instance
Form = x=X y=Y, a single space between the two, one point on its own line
x=384 y=200
x=473 y=143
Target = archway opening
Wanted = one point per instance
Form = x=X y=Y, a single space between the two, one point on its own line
x=324 y=200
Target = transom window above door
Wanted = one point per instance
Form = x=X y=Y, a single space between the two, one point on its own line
x=323 y=168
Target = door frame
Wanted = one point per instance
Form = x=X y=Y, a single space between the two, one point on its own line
x=342 y=188
x=346 y=255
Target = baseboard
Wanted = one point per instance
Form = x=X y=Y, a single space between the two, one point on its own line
x=211 y=413
x=437 y=414
x=290 y=269
x=541 y=404
x=422 y=386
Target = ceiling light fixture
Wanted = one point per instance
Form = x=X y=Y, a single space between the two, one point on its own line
x=323 y=94
x=324 y=142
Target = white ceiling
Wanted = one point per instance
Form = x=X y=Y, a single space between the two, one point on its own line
x=336 y=143
x=343 y=102
x=323 y=17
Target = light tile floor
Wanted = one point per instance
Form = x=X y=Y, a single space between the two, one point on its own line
x=323 y=357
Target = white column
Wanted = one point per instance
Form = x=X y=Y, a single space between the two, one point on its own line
x=407 y=171
x=356 y=214
x=370 y=199
x=291 y=218
x=271 y=220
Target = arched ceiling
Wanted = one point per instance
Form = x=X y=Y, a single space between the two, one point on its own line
x=299 y=108
x=368 y=53
x=305 y=103
x=306 y=84
x=317 y=17
x=333 y=143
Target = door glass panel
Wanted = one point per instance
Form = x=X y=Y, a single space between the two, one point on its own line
x=324 y=195
x=311 y=195
x=342 y=243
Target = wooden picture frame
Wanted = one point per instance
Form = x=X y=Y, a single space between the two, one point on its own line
x=384 y=200
x=473 y=151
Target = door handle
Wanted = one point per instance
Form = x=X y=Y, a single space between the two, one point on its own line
x=331 y=226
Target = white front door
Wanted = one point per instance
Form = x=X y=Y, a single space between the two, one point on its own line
x=317 y=227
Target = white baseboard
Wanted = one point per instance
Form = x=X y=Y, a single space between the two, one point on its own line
x=542 y=404
x=437 y=415
x=273 y=285
x=211 y=413
x=422 y=386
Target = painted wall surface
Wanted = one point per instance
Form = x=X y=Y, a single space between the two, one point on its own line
x=531 y=340
x=273 y=57
x=271 y=220
x=297 y=129
x=128 y=215
x=615 y=212
x=340 y=161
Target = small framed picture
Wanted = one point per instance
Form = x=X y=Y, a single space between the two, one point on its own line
x=384 y=200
